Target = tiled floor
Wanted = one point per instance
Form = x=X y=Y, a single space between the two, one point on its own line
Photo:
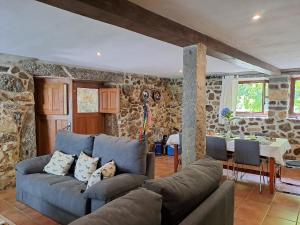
x=251 y=208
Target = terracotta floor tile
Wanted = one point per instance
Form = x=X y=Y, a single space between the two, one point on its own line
x=277 y=221
x=238 y=201
x=251 y=207
x=245 y=221
x=263 y=197
x=253 y=211
x=243 y=189
x=286 y=200
x=284 y=212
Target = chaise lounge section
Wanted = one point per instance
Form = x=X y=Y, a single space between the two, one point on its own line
x=64 y=198
x=193 y=196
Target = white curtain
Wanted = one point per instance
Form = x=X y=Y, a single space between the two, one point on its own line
x=228 y=94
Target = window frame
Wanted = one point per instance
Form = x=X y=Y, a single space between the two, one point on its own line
x=263 y=112
x=292 y=97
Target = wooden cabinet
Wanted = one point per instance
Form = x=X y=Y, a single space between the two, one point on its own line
x=52 y=98
x=109 y=100
x=52 y=114
x=87 y=118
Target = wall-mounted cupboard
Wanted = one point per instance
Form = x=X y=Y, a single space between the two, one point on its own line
x=79 y=106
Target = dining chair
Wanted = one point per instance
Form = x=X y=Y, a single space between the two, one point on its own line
x=217 y=149
x=290 y=164
x=247 y=152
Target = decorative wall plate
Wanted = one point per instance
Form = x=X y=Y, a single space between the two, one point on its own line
x=145 y=95
x=156 y=95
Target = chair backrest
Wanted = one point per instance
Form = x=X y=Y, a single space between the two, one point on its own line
x=246 y=152
x=216 y=148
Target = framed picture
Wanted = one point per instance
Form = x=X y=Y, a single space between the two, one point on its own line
x=87 y=100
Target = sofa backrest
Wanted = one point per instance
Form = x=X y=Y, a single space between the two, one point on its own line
x=73 y=144
x=129 y=155
x=138 y=207
x=185 y=190
x=217 y=209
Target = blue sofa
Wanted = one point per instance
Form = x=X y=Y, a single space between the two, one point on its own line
x=64 y=198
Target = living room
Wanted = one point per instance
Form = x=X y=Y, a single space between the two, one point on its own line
x=117 y=112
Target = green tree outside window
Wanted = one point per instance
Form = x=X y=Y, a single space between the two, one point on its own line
x=250 y=97
x=297 y=97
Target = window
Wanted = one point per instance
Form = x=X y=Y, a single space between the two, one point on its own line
x=252 y=97
x=295 y=96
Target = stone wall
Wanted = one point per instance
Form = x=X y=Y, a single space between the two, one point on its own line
x=276 y=124
x=166 y=113
x=17 y=122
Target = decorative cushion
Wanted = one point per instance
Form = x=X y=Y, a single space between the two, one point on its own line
x=74 y=144
x=106 y=171
x=138 y=207
x=85 y=167
x=59 y=164
x=129 y=155
x=185 y=190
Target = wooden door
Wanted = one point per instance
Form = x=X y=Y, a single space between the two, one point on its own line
x=51 y=96
x=109 y=100
x=87 y=118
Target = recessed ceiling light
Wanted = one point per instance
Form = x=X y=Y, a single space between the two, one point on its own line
x=180 y=71
x=256 y=17
x=98 y=54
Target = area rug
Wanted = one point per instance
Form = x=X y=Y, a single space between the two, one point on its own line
x=5 y=221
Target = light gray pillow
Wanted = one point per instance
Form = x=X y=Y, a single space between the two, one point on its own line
x=59 y=164
x=85 y=167
x=138 y=207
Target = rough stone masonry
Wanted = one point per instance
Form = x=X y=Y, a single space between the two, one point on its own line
x=276 y=124
x=17 y=122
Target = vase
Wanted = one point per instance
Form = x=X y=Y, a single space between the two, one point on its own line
x=228 y=132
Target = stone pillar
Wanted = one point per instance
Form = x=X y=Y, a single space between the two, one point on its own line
x=194 y=101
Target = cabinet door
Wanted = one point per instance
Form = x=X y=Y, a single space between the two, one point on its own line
x=52 y=98
x=109 y=100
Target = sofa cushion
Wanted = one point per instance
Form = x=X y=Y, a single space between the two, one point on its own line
x=129 y=155
x=59 y=164
x=64 y=192
x=85 y=167
x=74 y=144
x=108 y=170
x=139 y=207
x=185 y=190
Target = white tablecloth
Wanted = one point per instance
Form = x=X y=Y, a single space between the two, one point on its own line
x=173 y=140
x=275 y=149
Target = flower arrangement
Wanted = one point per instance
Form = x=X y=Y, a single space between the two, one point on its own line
x=227 y=114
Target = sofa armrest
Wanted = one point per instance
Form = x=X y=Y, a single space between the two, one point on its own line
x=150 y=173
x=34 y=165
x=112 y=187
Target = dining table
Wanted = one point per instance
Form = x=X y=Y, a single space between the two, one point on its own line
x=272 y=149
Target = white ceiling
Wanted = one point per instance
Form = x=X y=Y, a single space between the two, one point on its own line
x=33 y=29
x=275 y=38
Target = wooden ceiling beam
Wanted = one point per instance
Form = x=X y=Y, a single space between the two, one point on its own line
x=132 y=17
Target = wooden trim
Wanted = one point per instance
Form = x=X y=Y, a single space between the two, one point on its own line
x=128 y=15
